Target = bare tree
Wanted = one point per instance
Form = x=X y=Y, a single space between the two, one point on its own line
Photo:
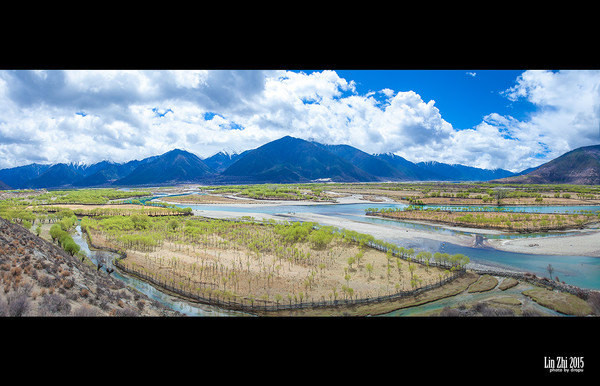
x=499 y=194
x=100 y=260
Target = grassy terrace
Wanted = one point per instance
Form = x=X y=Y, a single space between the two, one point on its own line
x=522 y=222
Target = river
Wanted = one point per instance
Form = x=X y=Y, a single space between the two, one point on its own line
x=198 y=309
x=581 y=271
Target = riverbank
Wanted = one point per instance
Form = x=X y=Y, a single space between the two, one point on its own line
x=583 y=244
x=242 y=202
x=460 y=285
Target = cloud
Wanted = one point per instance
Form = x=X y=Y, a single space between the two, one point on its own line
x=567 y=114
x=89 y=116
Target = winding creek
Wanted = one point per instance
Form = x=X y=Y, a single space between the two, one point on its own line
x=186 y=308
x=581 y=271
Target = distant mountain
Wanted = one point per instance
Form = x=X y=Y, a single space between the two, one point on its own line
x=289 y=160
x=105 y=173
x=3 y=186
x=222 y=160
x=87 y=171
x=454 y=172
x=371 y=164
x=526 y=171
x=411 y=170
x=580 y=166
x=438 y=171
x=18 y=177
x=175 y=166
x=56 y=176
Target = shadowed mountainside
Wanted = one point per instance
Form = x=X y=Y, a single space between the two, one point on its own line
x=175 y=166
x=292 y=160
x=580 y=166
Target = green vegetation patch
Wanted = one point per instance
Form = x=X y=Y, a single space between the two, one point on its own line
x=485 y=283
x=564 y=303
x=85 y=196
x=491 y=217
x=507 y=283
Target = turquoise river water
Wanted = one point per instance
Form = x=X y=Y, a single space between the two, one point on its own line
x=582 y=271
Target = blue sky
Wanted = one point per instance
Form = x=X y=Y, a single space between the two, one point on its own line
x=464 y=96
x=510 y=119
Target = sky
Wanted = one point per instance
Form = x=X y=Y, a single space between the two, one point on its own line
x=510 y=119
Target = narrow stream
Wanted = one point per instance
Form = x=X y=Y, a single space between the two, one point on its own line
x=466 y=297
x=197 y=309
x=577 y=270
x=175 y=303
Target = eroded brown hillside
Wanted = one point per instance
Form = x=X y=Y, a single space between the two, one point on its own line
x=38 y=278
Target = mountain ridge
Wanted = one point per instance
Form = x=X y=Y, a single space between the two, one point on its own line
x=579 y=166
x=285 y=160
x=290 y=159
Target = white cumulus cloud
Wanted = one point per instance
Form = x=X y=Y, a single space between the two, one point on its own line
x=88 y=116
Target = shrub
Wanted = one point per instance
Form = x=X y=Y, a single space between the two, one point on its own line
x=86 y=311
x=594 y=302
x=46 y=281
x=68 y=284
x=18 y=301
x=127 y=312
x=19 y=306
x=54 y=304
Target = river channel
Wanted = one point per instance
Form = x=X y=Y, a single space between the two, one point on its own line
x=582 y=271
x=198 y=309
x=177 y=304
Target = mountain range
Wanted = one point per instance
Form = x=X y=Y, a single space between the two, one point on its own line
x=579 y=167
x=285 y=160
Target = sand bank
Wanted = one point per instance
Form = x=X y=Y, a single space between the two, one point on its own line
x=582 y=244
x=243 y=202
x=585 y=243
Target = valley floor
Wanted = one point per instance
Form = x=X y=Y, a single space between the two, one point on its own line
x=584 y=243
